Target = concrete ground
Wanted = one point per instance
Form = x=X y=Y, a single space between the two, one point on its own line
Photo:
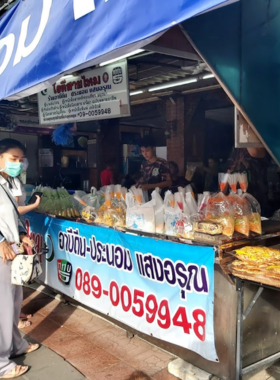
x=77 y=344
x=80 y=345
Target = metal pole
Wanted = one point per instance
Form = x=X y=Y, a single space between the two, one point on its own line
x=239 y=329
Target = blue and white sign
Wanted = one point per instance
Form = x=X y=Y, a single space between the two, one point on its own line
x=160 y=288
x=42 y=39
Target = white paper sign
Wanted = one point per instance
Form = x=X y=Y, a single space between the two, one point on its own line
x=100 y=93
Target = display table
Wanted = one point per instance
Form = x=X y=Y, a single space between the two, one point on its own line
x=175 y=295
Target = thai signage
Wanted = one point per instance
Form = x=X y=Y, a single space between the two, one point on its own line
x=97 y=94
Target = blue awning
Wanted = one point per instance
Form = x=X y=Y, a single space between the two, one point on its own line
x=42 y=39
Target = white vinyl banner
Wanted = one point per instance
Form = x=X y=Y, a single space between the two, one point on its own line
x=100 y=93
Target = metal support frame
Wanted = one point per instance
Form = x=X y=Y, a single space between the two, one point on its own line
x=239 y=328
x=241 y=316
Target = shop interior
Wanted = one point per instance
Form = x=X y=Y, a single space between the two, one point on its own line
x=174 y=97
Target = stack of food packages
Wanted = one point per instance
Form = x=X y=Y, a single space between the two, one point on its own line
x=106 y=206
x=57 y=202
x=170 y=216
x=259 y=264
x=214 y=215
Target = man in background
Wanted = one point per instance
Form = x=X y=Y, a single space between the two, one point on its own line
x=155 y=171
x=107 y=175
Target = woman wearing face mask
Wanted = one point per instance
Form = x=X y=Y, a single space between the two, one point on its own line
x=19 y=194
x=12 y=154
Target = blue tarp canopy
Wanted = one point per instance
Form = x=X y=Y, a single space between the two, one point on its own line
x=42 y=39
x=241 y=43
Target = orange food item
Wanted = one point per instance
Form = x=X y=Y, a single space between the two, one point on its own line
x=228 y=224
x=242 y=225
x=255 y=223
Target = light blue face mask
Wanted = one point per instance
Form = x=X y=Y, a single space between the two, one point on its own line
x=13 y=169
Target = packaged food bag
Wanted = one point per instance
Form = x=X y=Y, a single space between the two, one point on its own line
x=140 y=217
x=191 y=204
x=183 y=228
x=91 y=199
x=138 y=194
x=255 y=214
x=219 y=210
x=159 y=211
x=202 y=202
x=241 y=209
x=171 y=216
x=223 y=180
x=169 y=200
x=118 y=192
x=189 y=189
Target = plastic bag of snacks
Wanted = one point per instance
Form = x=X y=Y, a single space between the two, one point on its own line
x=89 y=214
x=183 y=227
x=255 y=214
x=159 y=211
x=140 y=217
x=137 y=194
x=202 y=202
x=191 y=204
x=241 y=209
x=172 y=213
x=92 y=198
x=219 y=210
x=189 y=189
x=223 y=180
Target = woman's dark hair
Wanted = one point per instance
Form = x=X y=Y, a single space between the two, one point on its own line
x=7 y=144
x=175 y=166
x=147 y=142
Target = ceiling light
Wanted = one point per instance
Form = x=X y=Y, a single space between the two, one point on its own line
x=121 y=57
x=208 y=76
x=173 y=84
x=132 y=93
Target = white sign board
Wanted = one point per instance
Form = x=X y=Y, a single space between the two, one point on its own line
x=245 y=136
x=100 y=93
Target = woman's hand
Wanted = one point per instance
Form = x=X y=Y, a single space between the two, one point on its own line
x=26 y=240
x=6 y=251
x=38 y=201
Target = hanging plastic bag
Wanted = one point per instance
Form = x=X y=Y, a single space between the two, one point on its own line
x=255 y=215
x=159 y=211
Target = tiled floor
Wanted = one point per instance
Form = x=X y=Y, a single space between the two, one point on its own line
x=98 y=349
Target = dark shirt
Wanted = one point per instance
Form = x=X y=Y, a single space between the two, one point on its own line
x=154 y=172
x=256 y=168
x=178 y=182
